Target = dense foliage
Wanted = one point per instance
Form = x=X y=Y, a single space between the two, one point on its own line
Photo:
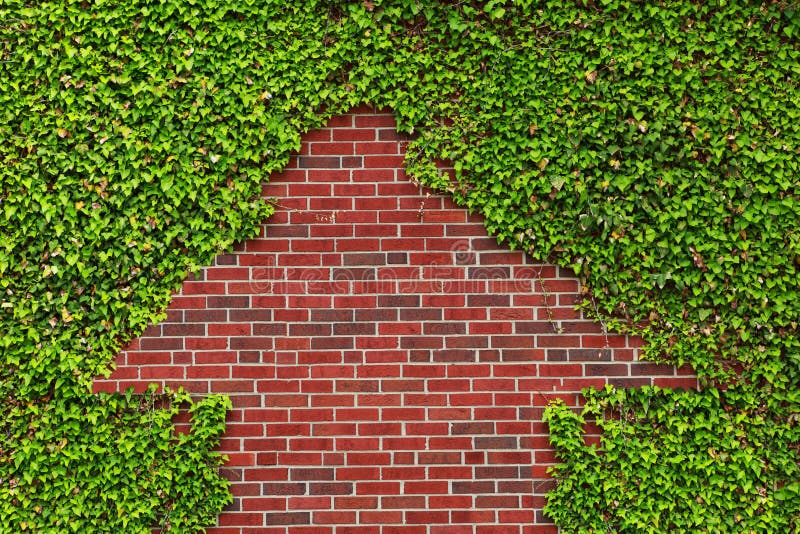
x=113 y=463
x=675 y=462
x=651 y=147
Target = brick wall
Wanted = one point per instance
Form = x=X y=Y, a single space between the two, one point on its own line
x=387 y=361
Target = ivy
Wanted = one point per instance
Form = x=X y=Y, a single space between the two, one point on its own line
x=671 y=461
x=111 y=463
x=652 y=148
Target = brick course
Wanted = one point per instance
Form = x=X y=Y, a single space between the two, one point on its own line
x=388 y=362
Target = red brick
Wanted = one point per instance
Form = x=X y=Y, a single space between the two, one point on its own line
x=242 y=519
x=147 y=358
x=338 y=148
x=498 y=529
x=337 y=517
x=383 y=161
x=323 y=134
x=374 y=121
x=354 y=134
x=203 y=288
x=380 y=517
x=160 y=372
x=451 y=501
x=358 y=503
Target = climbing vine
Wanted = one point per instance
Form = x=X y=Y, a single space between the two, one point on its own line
x=112 y=463
x=671 y=461
x=651 y=147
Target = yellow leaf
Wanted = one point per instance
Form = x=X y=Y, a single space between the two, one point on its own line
x=591 y=76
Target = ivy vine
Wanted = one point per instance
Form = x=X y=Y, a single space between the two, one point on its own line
x=672 y=461
x=652 y=147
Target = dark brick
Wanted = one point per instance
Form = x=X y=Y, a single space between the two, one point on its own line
x=234 y=475
x=542 y=519
x=331 y=488
x=398 y=301
x=467 y=342
x=522 y=355
x=474 y=487
x=590 y=355
x=283 y=488
x=489 y=301
x=352 y=162
x=289 y=518
x=226 y=259
x=332 y=343
x=534 y=327
x=311 y=473
x=309 y=329
x=294 y=230
x=444 y=329
x=235 y=506
x=496 y=442
x=320 y=162
x=153 y=330
x=357 y=386
x=206 y=316
x=332 y=316
x=161 y=343
x=397 y=258
x=364 y=258
x=269 y=329
x=354 y=329
x=606 y=369
x=421 y=314
x=629 y=382
x=557 y=355
x=228 y=302
x=251 y=343
x=174 y=316
x=249 y=356
x=251 y=316
x=497 y=471
x=652 y=369
x=421 y=342
x=188 y=330
x=472 y=427
x=463 y=257
x=378 y=314
x=419 y=356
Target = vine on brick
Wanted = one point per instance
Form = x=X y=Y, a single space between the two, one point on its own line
x=653 y=148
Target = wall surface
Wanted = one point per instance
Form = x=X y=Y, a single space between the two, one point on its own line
x=387 y=361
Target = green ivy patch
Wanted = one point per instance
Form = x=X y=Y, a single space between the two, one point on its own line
x=671 y=461
x=653 y=148
x=111 y=463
